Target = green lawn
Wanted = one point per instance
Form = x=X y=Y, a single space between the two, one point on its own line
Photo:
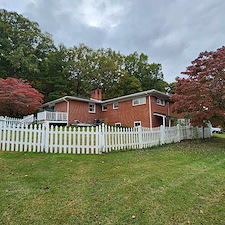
x=180 y=183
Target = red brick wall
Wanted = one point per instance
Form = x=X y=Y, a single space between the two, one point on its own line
x=165 y=110
x=79 y=111
x=126 y=114
x=60 y=107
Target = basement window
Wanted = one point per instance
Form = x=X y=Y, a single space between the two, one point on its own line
x=137 y=123
x=118 y=124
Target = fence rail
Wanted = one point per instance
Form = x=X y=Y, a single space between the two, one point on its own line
x=52 y=116
x=91 y=140
x=26 y=120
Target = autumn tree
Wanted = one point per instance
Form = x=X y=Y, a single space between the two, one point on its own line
x=202 y=95
x=18 y=98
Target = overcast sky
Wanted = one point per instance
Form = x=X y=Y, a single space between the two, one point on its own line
x=170 y=32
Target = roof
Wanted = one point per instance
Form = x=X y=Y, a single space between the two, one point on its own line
x=66 y=98
x=152 y=92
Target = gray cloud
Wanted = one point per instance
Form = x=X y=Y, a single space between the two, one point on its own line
x=172 y=33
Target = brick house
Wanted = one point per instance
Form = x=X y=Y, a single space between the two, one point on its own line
x=147 y=108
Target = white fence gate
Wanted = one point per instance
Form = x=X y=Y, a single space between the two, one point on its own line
x=90 y=140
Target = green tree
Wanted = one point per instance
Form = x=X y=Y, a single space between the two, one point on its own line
x=23 y=46
x=53 y=80
x=150 y=75
x=90 y=69
x=79 y=67
x=128 y=85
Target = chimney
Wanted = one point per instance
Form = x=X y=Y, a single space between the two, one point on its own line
x=96 y=94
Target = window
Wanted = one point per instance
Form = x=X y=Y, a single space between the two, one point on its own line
x=137 y=123
x=104 y=107
x=160 y=101
x=139 y=101
x=91 y=108
x=118 y=124
x=115 y=105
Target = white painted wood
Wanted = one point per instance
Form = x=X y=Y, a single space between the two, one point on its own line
x=83 y=140
x=90 y=140
x=60 y=139
x=69 y=140
x=65 y=144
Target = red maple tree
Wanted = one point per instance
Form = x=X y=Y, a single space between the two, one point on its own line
x=201 y=96
x=18 y=98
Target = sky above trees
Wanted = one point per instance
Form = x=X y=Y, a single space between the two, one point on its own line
x=171 y=33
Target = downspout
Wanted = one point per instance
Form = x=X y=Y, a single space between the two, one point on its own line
x=150 y=111
x=168 y=112
x=67 y=109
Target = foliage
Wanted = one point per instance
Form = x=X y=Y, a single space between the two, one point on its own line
x=179 y=183
x=53 y=81
x=18 y=98
x=150 y=75
x=129 y=85
x=170 y=87
x=202 y=94
x=29 y=54
x=23 y=46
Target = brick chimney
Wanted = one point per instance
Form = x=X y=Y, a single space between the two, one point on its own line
x=96 y=94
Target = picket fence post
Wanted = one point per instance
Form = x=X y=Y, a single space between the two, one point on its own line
x=102 y=138
x=178 y=133
x=45 y=136
x=162 y=134
x=140 y=140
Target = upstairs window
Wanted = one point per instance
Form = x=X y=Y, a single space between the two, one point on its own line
x=139 y=101
x=160 y=101
x=115 y=105
x=91 y=108
x=104 y=107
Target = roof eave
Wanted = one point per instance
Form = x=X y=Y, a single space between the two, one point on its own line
x=70 y=98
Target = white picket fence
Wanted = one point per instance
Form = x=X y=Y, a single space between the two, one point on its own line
x=91 y=140
x=26 y=120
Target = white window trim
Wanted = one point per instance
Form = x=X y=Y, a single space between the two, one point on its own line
x=114 y=105
x=118 y=124
x=137 y=122
x=103 y=108
x=160 y=100
x=139 y=101
x=94 y=108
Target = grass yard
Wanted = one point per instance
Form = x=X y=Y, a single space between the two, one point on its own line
x=181 y=183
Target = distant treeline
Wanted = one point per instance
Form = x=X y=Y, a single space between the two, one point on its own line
x=56 y=71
